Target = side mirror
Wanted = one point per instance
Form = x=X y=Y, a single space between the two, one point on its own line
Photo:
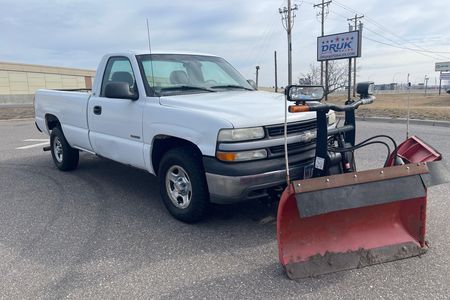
x=297 y=93
x=365 y=89
x=120 y=90
x=252 y=83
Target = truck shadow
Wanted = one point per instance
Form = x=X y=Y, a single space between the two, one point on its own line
x=104 y=211
x=144 y=186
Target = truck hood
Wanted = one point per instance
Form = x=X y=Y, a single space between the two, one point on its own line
x=240 y=108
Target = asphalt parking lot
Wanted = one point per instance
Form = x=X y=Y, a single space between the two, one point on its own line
x=102 y=232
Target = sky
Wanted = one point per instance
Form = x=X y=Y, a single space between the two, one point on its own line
x=246 y=33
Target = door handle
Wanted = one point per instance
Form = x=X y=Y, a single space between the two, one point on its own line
x=97 y=110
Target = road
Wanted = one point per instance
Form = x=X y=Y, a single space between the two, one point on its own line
x=102 y=232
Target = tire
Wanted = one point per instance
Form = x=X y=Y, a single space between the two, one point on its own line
x=64 y=157
x=182 y=185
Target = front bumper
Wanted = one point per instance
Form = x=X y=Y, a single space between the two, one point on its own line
x=230 y=184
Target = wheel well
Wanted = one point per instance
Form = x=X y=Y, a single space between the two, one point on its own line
x=52 y=121
x=164 y=143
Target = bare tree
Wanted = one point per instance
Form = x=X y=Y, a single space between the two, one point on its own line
x=337 y=76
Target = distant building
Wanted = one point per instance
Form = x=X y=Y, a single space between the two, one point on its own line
x=386 y=87
x=24 y=79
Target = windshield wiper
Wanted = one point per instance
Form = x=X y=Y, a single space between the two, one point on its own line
x=186 y=87
x=231 y=86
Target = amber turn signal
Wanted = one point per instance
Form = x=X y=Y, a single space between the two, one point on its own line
x=242 y=155
x=298 y=108
x=226 y=156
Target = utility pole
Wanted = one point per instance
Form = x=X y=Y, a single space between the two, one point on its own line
x=426 y=83
x=257 y=75
x=349 y=78
x=287 y=19
x=276 y=72
x=322 y=14
x=355 y=19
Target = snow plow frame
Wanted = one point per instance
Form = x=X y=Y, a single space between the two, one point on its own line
x=342 y=219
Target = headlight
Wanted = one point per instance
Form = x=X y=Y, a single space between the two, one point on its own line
x=331 y=118
x=241 y=155
x=242 y=134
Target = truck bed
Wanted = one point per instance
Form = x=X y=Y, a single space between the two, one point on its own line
x=70 y=108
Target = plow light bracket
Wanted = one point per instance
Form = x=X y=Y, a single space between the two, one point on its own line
x=303 y=93
x=365 y=89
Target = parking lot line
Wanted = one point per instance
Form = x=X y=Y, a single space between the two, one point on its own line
x=36 y=140
x=33 y=146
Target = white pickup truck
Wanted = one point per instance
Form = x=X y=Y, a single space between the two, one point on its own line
x=190 y=119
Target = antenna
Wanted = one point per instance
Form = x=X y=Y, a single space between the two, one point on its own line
x=151 y=58
x=149 y=41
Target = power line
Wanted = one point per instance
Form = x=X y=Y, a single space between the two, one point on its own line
x=424 y=52
x=337 y=14
x=414 y=49
x=396 y=46
x=255 y=53
x=427 y=53
x=384 y=28
x=347 y=7
x=417 y=47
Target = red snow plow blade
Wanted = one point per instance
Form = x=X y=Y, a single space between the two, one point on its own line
x=353 y=220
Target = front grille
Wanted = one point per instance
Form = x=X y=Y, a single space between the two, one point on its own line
x=277 y=130
x=293 y=148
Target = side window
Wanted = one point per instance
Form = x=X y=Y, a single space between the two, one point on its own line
x=118 y=69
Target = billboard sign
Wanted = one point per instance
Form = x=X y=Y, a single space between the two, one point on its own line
x=442 y=67
x=339 y=46
x=445 y=76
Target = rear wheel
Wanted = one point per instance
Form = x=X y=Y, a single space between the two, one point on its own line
x=65 y=157
x=183 y=186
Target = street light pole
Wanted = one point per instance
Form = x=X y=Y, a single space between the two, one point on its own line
x=257 y=76
x=276 y=72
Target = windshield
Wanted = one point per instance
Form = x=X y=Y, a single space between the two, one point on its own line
x=169 y=74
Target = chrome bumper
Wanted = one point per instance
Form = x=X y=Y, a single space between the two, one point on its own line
x=230 y=189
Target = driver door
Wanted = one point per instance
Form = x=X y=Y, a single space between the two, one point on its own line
x=116 y=124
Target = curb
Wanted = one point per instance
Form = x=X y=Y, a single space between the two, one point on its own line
x=403 y=121
x=17 y=119
x=435 y=123
x=16 y=105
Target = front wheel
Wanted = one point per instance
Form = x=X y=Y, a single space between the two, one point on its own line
x=182 y=185
x=65 y=157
